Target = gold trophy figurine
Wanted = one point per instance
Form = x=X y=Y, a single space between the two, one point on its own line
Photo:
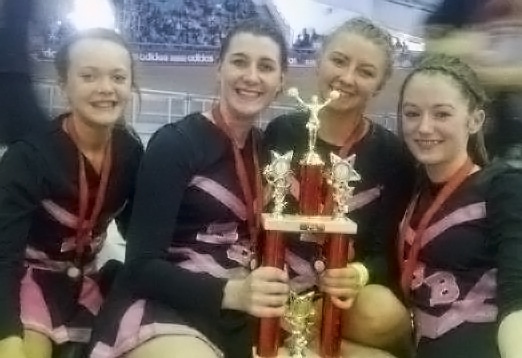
x=342 y=174
x=277 y=175
x=300 y=317
x=313 y=121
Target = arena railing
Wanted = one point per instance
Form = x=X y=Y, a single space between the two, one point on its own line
x=151 y=109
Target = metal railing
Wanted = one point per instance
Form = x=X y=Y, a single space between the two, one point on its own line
x=151 y=109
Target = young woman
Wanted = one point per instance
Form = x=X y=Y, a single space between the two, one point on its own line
x=187 y=289
x=59 y=189
x=355 y=60
x=461 y=239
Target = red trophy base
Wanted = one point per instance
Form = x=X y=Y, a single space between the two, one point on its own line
x=336 y=253
x=274 y=256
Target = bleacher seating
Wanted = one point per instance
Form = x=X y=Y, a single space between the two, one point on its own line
x=187 y=22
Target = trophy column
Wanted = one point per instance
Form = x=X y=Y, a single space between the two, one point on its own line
x=277 y=175
x=336 y=251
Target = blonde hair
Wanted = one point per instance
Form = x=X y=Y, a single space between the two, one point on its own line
x=366 y=28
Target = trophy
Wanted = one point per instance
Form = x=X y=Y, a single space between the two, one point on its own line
x=336 y=228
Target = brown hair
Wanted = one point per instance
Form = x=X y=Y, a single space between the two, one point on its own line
x=63 y=61
x=366 y=28
x=259 y=28
x=470 y=87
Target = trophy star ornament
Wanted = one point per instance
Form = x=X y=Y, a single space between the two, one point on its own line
x=342 y=173
x=278 y=176
x=343 y=169
x=281 y=163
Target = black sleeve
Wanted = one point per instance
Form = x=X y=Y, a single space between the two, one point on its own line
x=164 y=174
x=123 y=219
x=379 y=252
x=19 y=197
x=504 y=210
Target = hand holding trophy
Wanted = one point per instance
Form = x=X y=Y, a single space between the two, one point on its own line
x=335 y=226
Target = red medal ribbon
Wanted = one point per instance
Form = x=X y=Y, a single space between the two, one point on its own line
x=253 y=197
x=408 y=264
x=85 y=225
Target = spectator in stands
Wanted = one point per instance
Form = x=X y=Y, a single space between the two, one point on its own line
x=59 y=189
x=356 y=60
x=196 y=21
x=188 y=289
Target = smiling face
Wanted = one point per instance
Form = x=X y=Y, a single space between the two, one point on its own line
x=353 y=65
x=250 y=74
x=437 y=120
x=98 y=82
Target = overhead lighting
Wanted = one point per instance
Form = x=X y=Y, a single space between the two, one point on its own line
x=89 y=14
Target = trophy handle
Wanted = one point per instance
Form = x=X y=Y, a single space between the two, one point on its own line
x=269 y=328
x=337 y=247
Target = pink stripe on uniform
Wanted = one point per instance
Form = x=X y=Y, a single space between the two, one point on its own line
x=222 y=233
x=35 y=315
x=460 y=216
x=132 y=334
x=222 y=194
x=473 y=308
x=364 y=198
x=200 y=263
x=33 y=307
x=90 y=296
x=306 y=275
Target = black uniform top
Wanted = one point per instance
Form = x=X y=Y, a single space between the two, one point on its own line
x=469 y=271
x=380 y=198
x=188 y=233
x=39 y=206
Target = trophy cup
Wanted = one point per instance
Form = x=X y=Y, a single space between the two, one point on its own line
x=310 y=219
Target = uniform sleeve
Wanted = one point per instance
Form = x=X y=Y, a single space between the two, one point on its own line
x=122 y=220
x=379 y=252
x=19 y=197
x=164 y=175
x=504 y=210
